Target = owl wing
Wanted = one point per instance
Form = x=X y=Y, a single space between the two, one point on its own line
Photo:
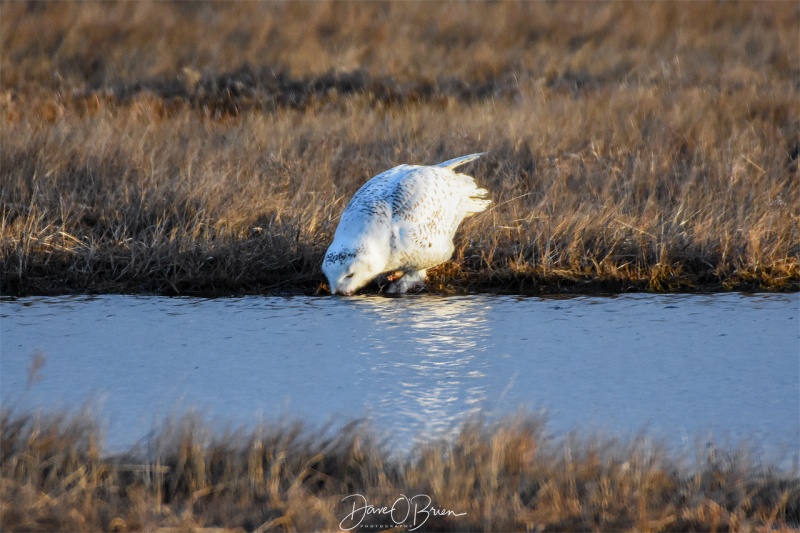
x=426 y=211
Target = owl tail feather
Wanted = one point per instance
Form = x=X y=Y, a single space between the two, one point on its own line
x=458 y=161
x=477 y=201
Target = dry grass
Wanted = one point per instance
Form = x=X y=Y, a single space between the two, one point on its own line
x=506 y=477
x=210 y=147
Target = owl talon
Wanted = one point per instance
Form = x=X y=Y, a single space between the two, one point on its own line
x=394 y=276
x=411 y=281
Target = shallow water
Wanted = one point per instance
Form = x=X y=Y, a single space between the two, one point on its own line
x=679 y=366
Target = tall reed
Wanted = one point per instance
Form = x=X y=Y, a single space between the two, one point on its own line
x=503 y=476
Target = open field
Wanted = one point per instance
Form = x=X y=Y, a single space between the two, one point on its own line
x=506 y=477
x=210 y=147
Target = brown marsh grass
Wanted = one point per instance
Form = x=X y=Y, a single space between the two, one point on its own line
x=506 y=476
x=210 y=147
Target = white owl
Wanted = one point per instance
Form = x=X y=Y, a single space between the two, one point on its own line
x=401 y=222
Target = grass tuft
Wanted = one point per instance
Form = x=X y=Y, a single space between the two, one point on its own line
x=210 y=147
x=505 y=476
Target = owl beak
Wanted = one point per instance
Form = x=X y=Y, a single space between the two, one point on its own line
x=337 y=290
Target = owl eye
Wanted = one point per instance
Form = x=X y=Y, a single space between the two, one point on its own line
x=350 y=275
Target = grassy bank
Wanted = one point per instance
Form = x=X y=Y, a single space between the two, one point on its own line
x=210 y=147
x=506 y=477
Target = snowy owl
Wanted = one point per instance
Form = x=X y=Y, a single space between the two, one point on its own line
x=400 y=223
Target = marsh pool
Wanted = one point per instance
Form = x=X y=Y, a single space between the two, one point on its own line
x=680 y=367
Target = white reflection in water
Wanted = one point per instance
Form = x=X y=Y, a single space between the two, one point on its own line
x=434 y=347
x=677 y=364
